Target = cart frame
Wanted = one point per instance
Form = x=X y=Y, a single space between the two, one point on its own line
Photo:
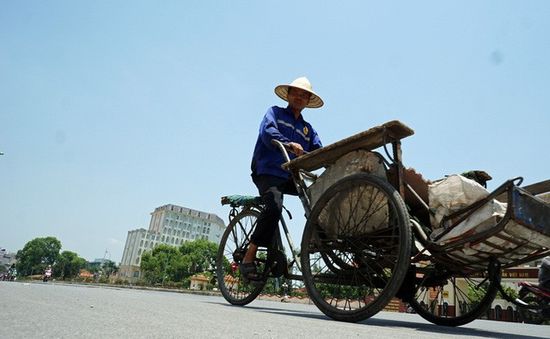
x=429 y=265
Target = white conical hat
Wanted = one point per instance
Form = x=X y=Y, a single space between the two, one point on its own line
x=302 y=83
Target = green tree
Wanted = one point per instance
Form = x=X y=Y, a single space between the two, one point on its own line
x=170 y=264
x=37 y=254
x=93 y=267
x=201 y=255
x=68 y=265
x=109 y=267
x=160 y=264
x=512 y=293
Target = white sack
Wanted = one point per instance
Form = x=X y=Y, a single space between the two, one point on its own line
x=338 y=211
x=359 y=161
x=452 y=194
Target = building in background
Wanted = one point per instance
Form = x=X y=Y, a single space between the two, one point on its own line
x=171 y=225
x=6 y=259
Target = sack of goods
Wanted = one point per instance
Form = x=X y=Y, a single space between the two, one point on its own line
x=339 y=207
x=456 y=192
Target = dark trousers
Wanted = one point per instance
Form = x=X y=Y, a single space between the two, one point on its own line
x=271 y=190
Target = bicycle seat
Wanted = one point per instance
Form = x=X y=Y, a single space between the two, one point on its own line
x=241 y=200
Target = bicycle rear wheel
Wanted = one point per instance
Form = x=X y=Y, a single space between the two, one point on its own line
x=449 y=298
x=233 y=246
x=356 y=248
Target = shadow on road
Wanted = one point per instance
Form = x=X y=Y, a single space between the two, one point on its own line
x=428 y=328
x=434 y=329
x=299 y=313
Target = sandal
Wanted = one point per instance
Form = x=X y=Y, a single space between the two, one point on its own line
x=249 y=272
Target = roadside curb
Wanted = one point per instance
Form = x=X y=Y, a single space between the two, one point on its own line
x=264 y=297
x=131 y=287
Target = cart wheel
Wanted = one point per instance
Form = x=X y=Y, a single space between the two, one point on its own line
x=231 y=251
x=528 y=315
x=356 y=248
x=451 y=298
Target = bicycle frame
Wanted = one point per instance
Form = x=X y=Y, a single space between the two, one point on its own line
x=295 y=255
x=299 y=180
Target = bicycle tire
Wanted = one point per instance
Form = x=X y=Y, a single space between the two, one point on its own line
x=361 y=220
x=472 y=295
x=233 y=245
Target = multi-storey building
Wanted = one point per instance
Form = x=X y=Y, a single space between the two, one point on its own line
x=170 y=225
x=6 y=259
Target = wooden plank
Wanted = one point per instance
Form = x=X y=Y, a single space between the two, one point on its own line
x=368 y=140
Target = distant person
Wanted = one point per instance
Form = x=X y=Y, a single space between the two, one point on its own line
x=12 y=272
x=47 y=273
x=288 y=126
x=544 y=273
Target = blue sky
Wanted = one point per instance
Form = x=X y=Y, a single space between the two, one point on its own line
x=110 y=109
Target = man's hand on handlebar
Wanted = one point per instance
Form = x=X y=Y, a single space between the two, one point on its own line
x=290 y=147
x=296 y=148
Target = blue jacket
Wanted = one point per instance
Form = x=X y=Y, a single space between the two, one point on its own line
x=279 y=123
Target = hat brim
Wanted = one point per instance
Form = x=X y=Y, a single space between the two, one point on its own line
x=315 y=101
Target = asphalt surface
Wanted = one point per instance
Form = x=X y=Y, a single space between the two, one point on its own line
x=40 y=310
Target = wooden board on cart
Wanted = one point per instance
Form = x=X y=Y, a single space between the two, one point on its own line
x=368 y=140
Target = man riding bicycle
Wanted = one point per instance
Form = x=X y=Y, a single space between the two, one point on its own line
x=289 y=127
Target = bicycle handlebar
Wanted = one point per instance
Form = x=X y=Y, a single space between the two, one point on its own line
x=284 y=148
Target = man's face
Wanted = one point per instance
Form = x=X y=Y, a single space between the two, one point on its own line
x=298 y=98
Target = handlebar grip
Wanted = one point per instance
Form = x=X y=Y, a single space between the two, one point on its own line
x=285 y=145
x=276 y=142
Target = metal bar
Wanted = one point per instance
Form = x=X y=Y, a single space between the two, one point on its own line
x=295 y=254
x=294 y=277
x=420 y=200
x=397 y=156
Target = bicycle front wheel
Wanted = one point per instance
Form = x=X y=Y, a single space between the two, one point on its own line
x=233 y=246
x=356 y=248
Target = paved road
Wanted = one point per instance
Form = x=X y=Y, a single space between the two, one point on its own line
x=71 y=311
